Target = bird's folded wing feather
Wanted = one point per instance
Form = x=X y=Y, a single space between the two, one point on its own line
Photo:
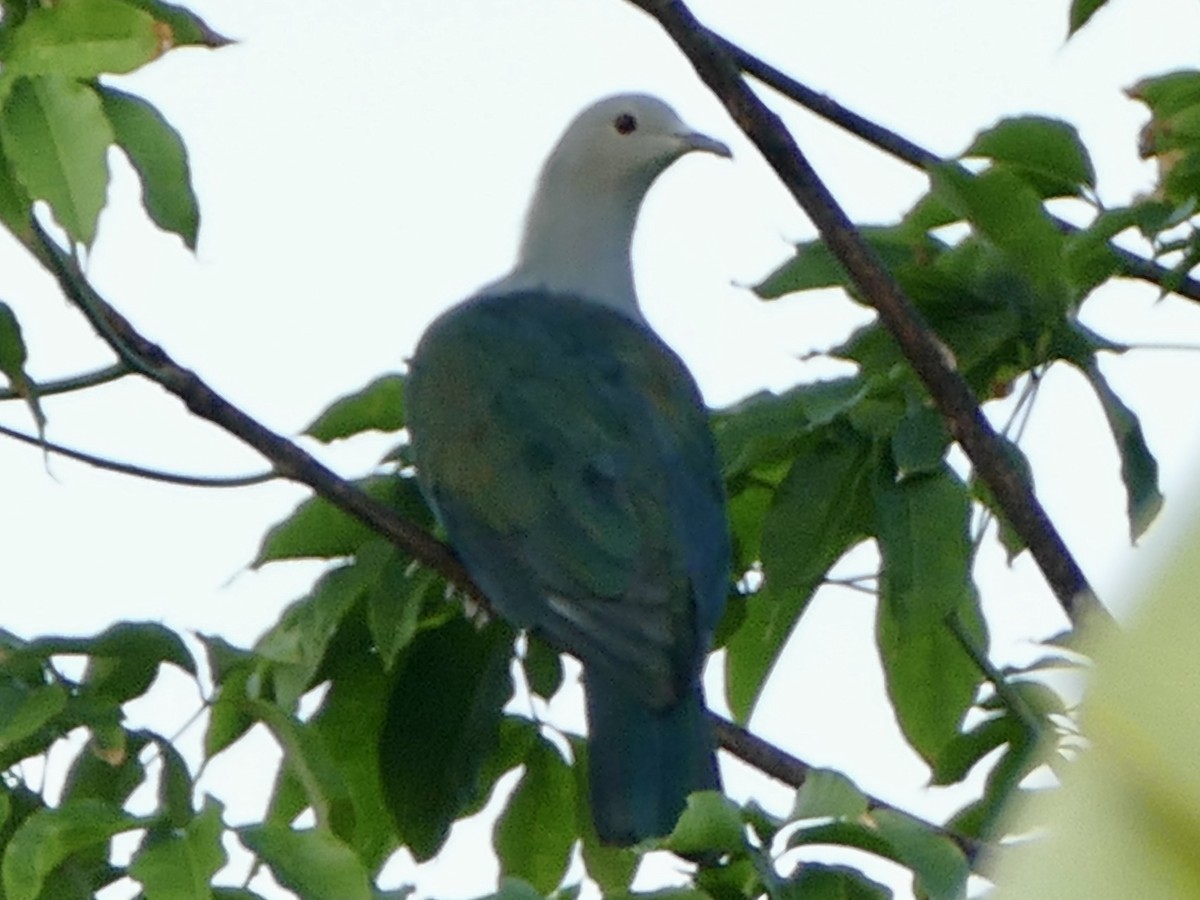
x=569 y=456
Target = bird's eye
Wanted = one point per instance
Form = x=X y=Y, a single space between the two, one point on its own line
x=625 y=123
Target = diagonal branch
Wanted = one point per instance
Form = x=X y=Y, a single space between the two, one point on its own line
x=1132 y=264
x=930 y=359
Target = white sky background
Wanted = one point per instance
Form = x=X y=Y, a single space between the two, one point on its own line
x=362 y=166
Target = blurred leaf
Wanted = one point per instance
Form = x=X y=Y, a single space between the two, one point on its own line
x=48 y=837
x=56 y=137
x=818 y=513
x=920 y=441
x=125 y=659
x=442 y=721
x=1139 y=469
x=827 y=793
x=395 y=597
x=174 y=784
x=16 y=209
x=961 y=754
x=543 y=667
x=815 y=266
x=318 y=529
x=1126 y=821
x=378 y=406
x=102 y=772
x=765 y=428
x=1008 y=212
x=1168 y=94
x=180 y=864
x=921 y=525
x=157 y=154
x=13 y=357
x=25 y=712
x=534 y=835
x=1012 y=542
x=311 y=862
x=710 y=823
x=1047 y=151
x=940 y=870
x=818 y=881
x=80 y=39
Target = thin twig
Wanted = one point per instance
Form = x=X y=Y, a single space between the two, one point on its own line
x=927 y=355
x=72 y=383
x=124 y=468
x=1132 y=265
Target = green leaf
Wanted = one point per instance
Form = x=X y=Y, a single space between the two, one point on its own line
x=306 y=757
x=534 y=835
x=940 y=870
x=180 y=864
x=543 y=667
x=157 y=154
x=815 y=266
x=828 y=794
x=378 y=406
x=186 y=28
x=1047 y=151
x=107 y=769
x=81 y=39
x=962 y=753
x=442 y=721
x=318 y=529
x=16 y=209
x=1009 y=213
x=710 y=823
x=1012 y=542
x=920 y=442
x=24 y=712
x=818 y=881
x=56 y=136
x=921 y=526
x=48 y=837
x=1169 y=94
x=395 y=598
x=125 y=659
x=764 y=428
x=819 y=512
x=1139 y=468
x=349 y=723
x=12 y=362
x=174 y=784
x=1081 y=12
x=311 y=862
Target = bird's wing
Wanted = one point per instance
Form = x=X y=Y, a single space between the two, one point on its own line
x=569 y=456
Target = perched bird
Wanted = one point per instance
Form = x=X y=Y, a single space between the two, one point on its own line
x=567 y=453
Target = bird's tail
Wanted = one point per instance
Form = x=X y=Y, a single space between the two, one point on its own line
x=643 y=763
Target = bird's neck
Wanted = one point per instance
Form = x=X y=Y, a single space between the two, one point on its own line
x=578 y=242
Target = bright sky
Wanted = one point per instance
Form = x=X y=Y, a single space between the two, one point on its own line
x=362 y=167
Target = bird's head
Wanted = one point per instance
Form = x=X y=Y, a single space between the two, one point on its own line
x=622 y=143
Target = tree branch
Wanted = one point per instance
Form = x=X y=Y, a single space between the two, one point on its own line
x=782 y=766
x=1132 y=264
x=928 y=356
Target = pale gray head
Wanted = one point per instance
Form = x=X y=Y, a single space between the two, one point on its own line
x=580 y=223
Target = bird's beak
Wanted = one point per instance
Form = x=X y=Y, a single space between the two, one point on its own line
x=694 y=140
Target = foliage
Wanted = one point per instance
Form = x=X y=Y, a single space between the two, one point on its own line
x=408 y=726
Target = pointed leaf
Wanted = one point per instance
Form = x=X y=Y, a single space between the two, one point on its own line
x=379 y=405
x=56 y=137
x=318 y=529
x=157 y=154
x=186 y=28
x=920 y=441
x=1049 y=151
x=818 y=881
x=50 y=836
x=819 y=512
x=828 y=794
x=180 y=864
x=940 y=870
x=1139 y=468
x=1081 y=12
x=921 y=526
x=311 y=862
x=534 y=835
x=711 y=823
x=12 y=362
x=442 y=721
